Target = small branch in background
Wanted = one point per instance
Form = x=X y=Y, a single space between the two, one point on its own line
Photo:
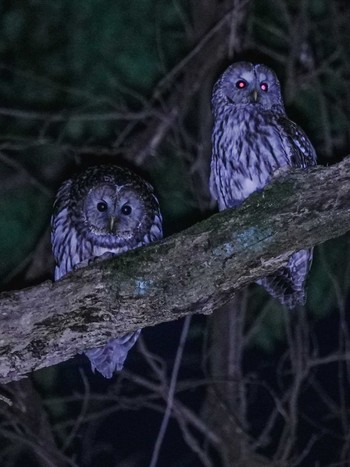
x=185 y=79
x=171 y=392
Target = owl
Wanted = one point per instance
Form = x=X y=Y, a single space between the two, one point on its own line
x=252 y=138
x=104 y=211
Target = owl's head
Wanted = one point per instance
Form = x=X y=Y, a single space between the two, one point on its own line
x=244 y=83
x=115 y=207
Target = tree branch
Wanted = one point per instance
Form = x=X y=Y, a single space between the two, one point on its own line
x=195 y=271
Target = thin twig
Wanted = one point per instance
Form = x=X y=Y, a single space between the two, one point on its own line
x=171 y=392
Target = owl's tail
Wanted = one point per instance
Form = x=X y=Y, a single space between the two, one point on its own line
x=111 y=357
x=287 y=284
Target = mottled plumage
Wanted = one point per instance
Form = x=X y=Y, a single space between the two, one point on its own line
x=106 y=210
x=252 y=138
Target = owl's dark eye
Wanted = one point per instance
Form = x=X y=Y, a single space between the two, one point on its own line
x=264 y=87
x=102 y=206
x=241 y=83
x=126 y=209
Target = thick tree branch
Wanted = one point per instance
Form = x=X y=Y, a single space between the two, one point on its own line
x=195 y=271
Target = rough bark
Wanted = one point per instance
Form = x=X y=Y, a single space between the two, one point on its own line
x=195 y=271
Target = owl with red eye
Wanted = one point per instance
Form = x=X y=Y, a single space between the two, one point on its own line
x=252 y=138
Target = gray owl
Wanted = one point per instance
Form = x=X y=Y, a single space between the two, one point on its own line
x=106 y=210
x=252 y=138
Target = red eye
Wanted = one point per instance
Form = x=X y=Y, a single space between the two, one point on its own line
x=264 y=87
x=241 y=84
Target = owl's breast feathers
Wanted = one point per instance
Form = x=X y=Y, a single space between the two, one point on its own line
x=249 y=145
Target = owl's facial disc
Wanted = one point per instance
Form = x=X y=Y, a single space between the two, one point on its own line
x=245 y=83
x=114 y=211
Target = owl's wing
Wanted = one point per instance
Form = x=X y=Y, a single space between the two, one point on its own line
x=156 y=231
x=212 y=183
x=301 y=152
x=63 y=234
x=287 y=284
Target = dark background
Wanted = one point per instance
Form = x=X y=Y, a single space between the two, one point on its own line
x=84 y=82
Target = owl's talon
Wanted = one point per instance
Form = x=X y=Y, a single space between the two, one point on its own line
x=81 y=265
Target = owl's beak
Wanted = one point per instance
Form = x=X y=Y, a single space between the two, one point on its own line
x=255 y=95
x=112 y=224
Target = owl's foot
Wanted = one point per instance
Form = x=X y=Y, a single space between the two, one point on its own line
x=281 y=171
